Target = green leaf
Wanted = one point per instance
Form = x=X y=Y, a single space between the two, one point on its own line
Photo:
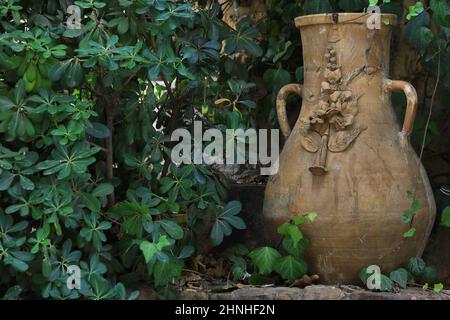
x=438 y=287
x=6 y=178
x=291 y=268
x=296 y=251
x=429 y=274
x=148 y=249
x=410 y=233
x=298 y=220
x=441 y=12
x=236 y=222
x=422 y=38
x=264 y=259
x=26 y=183
x=291 y=230
x=12 y=293
x=399 y=276
x=98 y=130
x=445 y=218
x=103 y=189
x=90 y=202
x=416 y=265
x=312 y=216
x=172 y=228
x=276 y=78
x=72 y=33
x=386 y=284
x=166 y=272
x=232 y=208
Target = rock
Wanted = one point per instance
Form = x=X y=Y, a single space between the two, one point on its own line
x=405 y=294
x=276 y=293
x=321 y=292
x=314 y=292
x=194 y=295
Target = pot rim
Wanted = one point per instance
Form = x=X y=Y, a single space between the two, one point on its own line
x=343 y=18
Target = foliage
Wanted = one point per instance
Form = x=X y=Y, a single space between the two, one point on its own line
x=86 y=117
x=445 y=219
x=263 y=262
x=85 y=122
x=416 y=272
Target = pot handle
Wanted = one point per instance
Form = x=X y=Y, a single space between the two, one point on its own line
x=281 y=105
x=411 y=107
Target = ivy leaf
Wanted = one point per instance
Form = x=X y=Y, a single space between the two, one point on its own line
x=291 y=268
x=438 y=287
x=410 y=233
x=399 y=276
x=291 y=230
x=312 y=216
x=296 y=251
x=264 y=259
x=386 y=284
x=429 y=274
x=166 y=272
x=416 y=265
x=445 y=218
x=441 y=12
x=149 y=249
x=422 y=38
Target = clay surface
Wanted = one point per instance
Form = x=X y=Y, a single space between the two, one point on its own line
x=347 y=158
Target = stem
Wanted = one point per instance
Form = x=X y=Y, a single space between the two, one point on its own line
x=110 y=108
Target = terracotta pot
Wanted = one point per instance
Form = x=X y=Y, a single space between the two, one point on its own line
x=346 y=158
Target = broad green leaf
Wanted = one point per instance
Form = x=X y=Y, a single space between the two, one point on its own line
x=172 y=228
x=416 y=265
x=6 y=178
x=291 y=268
x=103 y=189
x=264 y=259
x=399 y=276
x=166 y=272
x=90 y=202
x=441 y=12
x=232 y=208
x=296 y=251
x=438 y=287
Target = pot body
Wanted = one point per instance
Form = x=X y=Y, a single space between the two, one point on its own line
x=347 y=158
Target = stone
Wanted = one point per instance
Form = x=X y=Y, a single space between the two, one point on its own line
x=313 y=292
x=321 y=292
x=275 y=293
